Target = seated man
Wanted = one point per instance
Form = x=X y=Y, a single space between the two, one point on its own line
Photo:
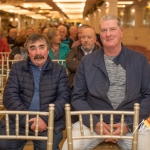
x=113 y=78
x=87 y=46
x=32 y=85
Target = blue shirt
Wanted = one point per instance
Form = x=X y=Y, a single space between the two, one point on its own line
x=35 y=103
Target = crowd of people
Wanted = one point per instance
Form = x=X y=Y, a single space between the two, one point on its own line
x=102 y=75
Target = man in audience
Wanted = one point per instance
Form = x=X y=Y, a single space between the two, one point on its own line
x=64 y=35
x=113 y=78
x=80 y=29
x=73 y=32
x=12 y=36
x=88 y=39
x=32 y=85
x=30 y=31
x=22 y=32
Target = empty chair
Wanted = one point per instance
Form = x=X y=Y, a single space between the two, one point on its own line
x=27 y=114
x=70 y=137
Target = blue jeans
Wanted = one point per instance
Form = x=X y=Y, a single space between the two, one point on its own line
x=19 y=144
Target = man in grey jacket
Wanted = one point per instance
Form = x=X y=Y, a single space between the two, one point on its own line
x=113 y=78
x=32 y=85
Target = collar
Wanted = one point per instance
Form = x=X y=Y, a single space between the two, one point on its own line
x=120 y=59
x=43 y=67
x=85 y=52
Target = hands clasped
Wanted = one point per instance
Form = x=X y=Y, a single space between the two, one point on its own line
x=106 y=130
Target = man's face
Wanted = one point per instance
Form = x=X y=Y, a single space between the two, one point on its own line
x=110 y=33
x=38 y=52
x=30 y=31
x=12 y=33
x=63 y=33
x=88 y=39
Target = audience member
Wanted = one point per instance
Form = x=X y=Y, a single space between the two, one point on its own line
x=64 y=37
x=12 y=36
x=18 y=51
x=73 y=33
x=29 y=31
x=32 y=85
x=113 y=78
x=88 y=39
x=80 y=29
x=22 y=32
x=58 y=49
x=44 y=32
x=4 y=46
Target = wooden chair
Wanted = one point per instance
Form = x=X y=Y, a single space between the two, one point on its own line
x=50 y=127
x=133 y=137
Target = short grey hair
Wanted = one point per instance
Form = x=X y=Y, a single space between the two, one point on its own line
x=62 y=27
x=110 y=17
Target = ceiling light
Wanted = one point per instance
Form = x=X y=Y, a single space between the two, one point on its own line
x=75 y=16
x=121 y=6
x=37 y=16
x=6 y=6
x=125 y=2
x=41 y=5
x=70 y=5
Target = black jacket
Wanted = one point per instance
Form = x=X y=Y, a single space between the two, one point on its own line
x=54 y=88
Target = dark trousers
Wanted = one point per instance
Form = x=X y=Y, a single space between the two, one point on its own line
x=19 y=144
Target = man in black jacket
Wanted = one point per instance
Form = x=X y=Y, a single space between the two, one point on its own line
x=32 y=85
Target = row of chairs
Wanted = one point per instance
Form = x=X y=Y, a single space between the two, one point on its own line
x=70 y=137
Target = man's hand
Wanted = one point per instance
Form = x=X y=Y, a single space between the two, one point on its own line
x=18 y=57
x=117 y=131
x=41 y=124
x=106 y=128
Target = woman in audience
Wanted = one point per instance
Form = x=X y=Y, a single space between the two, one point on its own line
x=18 y=50
x=58 y=50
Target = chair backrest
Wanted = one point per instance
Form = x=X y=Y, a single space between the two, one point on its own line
x=133 y=137
x=9 y=63
x=50 y=127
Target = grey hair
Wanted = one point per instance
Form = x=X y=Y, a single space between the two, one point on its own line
x=34 y=38
x=110 y=17
x=62 y=27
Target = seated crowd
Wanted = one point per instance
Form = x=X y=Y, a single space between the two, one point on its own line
x=102 y=75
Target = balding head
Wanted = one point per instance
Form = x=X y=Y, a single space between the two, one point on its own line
x=80 y=28
x=63 y=32
x=88 y=39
